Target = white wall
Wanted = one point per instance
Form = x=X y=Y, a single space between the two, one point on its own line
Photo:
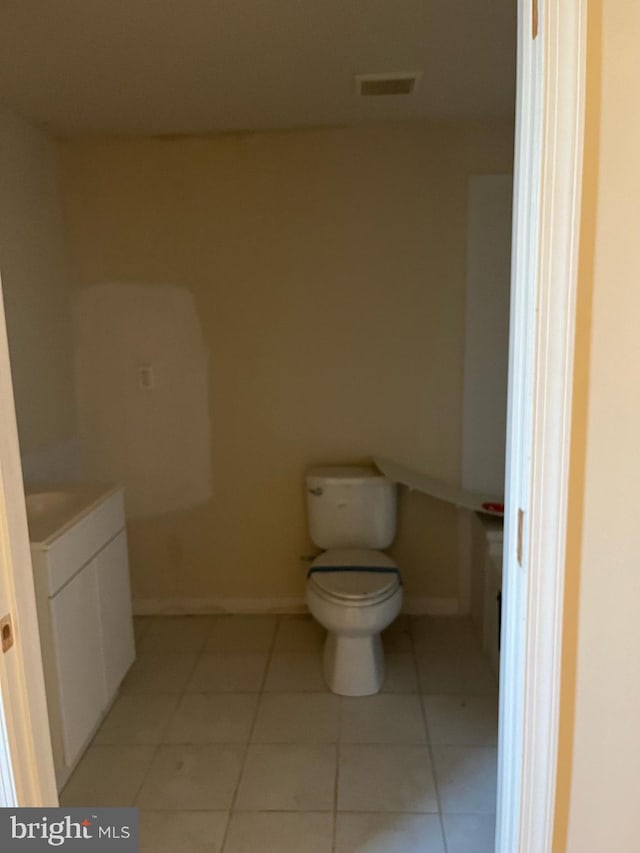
x=37 y=300
x=164 y=423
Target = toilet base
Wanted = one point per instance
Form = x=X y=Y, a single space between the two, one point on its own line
x=353 y=666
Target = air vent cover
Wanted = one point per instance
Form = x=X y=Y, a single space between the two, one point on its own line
x=391 y=83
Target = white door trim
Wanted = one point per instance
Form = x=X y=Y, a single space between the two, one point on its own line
x=25 y=745
x=549 y=138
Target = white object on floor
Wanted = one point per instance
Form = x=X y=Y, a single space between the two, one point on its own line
x=355 y=607
x=352 y=590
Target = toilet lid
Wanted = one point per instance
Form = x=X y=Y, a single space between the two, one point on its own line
x=354 y=574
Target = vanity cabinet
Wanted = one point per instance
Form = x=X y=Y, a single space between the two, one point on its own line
x=81 y=575
x=75 y=614
x=114 y=611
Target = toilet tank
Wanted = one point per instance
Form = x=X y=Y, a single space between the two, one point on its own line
x=350 y=508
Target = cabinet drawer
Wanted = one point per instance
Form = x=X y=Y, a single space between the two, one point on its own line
x=74 y=548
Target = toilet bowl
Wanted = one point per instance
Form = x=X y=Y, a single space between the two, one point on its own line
x=353 y=588
x=355 y=594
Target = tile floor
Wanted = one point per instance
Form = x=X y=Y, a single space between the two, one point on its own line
x=226 y=738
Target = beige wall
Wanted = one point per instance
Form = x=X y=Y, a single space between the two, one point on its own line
x=327 y=270
x=597 y=802
x=37 y=298
x=122 y=330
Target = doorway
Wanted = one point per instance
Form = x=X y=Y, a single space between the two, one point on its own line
x=517 y=448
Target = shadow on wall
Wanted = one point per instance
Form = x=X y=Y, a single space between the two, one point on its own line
x=142 y=386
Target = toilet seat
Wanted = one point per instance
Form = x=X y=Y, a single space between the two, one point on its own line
x=354 y=576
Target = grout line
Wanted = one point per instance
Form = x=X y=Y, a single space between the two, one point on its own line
x=311 y=811
x=429 y=747
x=334 y=838
x=164 y=729
x=270 y=654
x=227 y=826
x=145 y=775
x=262 y=811
x=196 y=661
x=305 y=811
x=260 y=694
x=338 y=744
x=302 y=743
x=395 y=812
x=159 y=744
x=207 y=637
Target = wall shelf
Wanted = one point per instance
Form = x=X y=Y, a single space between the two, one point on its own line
x=419 y=482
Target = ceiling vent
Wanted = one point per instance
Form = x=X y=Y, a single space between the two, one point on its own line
x=391 y=83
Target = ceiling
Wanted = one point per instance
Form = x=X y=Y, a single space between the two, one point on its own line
x=199 y=66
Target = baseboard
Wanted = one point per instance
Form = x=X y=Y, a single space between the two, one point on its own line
x=196 y=606
x=417 y=605
x=413 y=605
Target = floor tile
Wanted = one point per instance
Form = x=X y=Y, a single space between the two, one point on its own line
x=241 y=634
x=280 y=832
x=462 y=720
x=466 y=779
x=212 y=718
x=159 y=673
x=385 y=718
x=184 y=831
x=469 y=833
x=388 y=833
x=386 y=779
x=287 y=778
x=176 y=634
x=297 y=718
x=108 y=776
x=446 y=671
x=138 y=718
x=400 y=673
x=295 y=672
x=220 y=672
x=192 y=777
x=299 y=634
x=398 y=637
x=449 y=632
x=286 y=789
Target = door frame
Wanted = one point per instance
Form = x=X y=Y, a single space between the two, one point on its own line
x=549 y=133
x=27 y=776
x=548 y=179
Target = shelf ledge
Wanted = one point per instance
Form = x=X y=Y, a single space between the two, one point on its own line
x=462 y=498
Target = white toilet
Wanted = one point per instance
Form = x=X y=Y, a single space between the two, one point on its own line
x=353 y=589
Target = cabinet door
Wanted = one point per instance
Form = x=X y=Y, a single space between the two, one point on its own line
x=116 y=620
x=74 y=615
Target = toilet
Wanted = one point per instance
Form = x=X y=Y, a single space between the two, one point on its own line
x=353 y=588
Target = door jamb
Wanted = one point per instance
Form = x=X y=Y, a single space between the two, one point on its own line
x=549 y=142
